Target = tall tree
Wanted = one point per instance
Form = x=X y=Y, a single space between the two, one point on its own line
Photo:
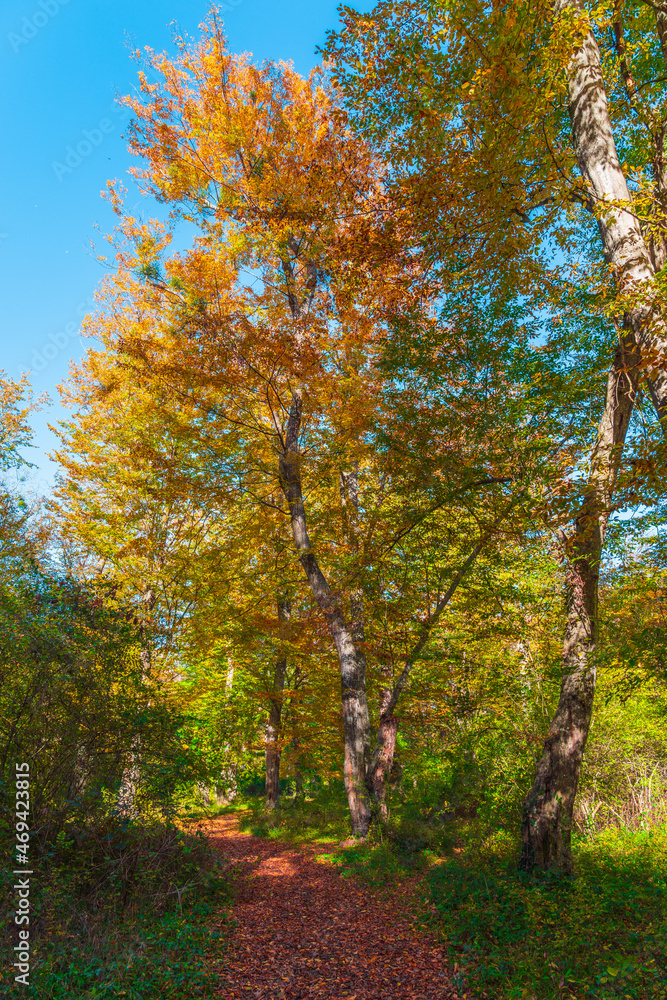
x=268 y=339
x=498 y=124
x=263 y=165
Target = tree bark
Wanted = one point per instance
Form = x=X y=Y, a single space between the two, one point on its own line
x=351 y=659
x=226 y=788
x=274 y=722
x=620 y=230
x=548 y=807
x=383 y=756
x=661 y=24
x=126 y=802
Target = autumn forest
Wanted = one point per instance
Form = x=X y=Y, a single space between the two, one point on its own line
x=358 y=539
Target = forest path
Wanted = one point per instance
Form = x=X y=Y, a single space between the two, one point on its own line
x=304 y=932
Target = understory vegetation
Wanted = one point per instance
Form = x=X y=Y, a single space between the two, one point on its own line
x=601 y=933
x=121 y=909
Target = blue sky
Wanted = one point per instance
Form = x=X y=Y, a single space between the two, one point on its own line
x=62 y=64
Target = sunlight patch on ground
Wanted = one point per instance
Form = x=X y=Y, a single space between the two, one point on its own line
x=276 y=867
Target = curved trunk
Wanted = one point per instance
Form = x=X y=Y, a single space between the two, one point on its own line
x=548 y=808
x=547 y=812
x=351 y=658
x=620 y=230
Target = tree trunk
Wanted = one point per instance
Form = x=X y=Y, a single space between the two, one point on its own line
x=351 y=659
x=620 y=230
x=126 y=802
x=273 y=726
x=547 y=812
x=661 y=24
x=383 y=756
x=548 y=808
x=226 y=788
x=356 y=728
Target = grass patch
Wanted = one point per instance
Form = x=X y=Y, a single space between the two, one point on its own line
x=601 y=935
x=378 y=862
x=121 y=911
x=300 y=819
x=380 y=865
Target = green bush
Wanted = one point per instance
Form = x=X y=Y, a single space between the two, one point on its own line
x=600 y=935
x=121 y=910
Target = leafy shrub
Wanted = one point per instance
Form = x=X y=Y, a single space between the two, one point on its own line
x=601 y=935
x=122 y=910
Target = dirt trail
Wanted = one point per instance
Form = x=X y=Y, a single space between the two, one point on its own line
x=305 y=932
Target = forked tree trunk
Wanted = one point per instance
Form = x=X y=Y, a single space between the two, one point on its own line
x=351 y=658
x=364 y=772
x=274 y=722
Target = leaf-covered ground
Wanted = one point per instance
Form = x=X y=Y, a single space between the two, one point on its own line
x=304 y=931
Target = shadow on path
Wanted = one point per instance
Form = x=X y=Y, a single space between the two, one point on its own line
x=305 y=932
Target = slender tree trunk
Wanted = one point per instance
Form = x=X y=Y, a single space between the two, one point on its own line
x=383 y=755
x=548 y=808
x=661 y=24
x=349 y=495
x=274 y=723
x=351 y=659
x=226 y=788
x=297 y=684
x=126 y=802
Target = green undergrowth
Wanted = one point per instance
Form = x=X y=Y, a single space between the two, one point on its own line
x=378 y=865
x=122 y=911
x=316 y=819
x=600 y=935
